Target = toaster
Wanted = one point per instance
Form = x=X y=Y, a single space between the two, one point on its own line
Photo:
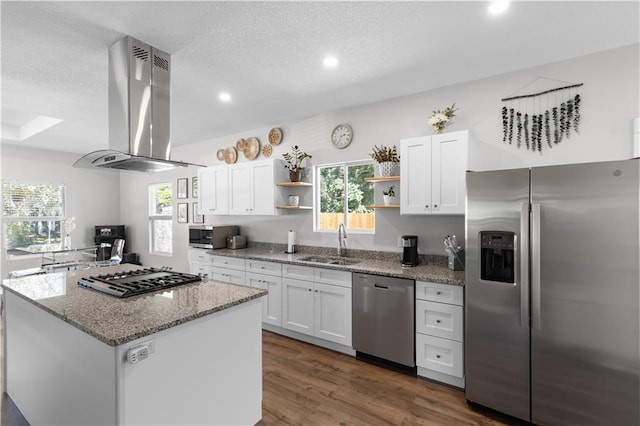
x=235 y=242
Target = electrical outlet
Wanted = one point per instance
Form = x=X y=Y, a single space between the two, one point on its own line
x=141 y=352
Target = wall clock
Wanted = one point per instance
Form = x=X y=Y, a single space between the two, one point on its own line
x=341 y=136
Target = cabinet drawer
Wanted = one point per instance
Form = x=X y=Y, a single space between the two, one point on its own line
x=439 y=319
x=442 y=355
x=232 y=276
x=198 y=268
x=332 y=276
x=435 y=292
x=199 y=256
x=261 y=267
x=228 y=262
x=305 y=273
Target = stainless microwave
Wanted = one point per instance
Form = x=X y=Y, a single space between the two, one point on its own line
x=210 y=236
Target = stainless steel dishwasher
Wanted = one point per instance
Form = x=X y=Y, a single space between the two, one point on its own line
x=383 y=318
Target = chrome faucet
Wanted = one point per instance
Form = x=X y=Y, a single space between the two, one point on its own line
x=342 y=245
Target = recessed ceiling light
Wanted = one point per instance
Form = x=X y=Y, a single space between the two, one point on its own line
x=330 y=61
x=224 y=97
x=499 y=6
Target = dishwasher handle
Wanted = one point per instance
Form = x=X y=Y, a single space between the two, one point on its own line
x=385 y=287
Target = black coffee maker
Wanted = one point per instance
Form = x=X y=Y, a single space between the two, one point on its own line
x=409 y=250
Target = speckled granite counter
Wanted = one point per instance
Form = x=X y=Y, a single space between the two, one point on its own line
x=431 y=268
x=117 y=321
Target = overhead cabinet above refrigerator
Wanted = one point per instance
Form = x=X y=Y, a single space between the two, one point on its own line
x=552 y=277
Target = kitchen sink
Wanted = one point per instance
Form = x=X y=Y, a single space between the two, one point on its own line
x=328 y=260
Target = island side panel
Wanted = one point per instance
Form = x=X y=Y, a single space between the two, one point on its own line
x=206 y=371
x=56 y=374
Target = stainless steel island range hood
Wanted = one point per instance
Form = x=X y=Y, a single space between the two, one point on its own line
x=139 y=111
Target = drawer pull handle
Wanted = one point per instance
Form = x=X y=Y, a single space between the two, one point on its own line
x=438 y=293
x=438 y=321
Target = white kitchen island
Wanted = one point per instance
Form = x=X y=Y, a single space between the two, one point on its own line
x=66 y=353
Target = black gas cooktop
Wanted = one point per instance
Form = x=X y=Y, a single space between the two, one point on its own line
x=139 y=281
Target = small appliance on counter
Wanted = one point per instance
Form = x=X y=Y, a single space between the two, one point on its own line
x=235 y=242
x=410 y=250
x=210 y=236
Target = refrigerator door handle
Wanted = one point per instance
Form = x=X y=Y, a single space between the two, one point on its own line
x=524 y=265
x=535 y=267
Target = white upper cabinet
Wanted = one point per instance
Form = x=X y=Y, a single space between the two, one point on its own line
x=432 y=174
x=214 y=190
x=240 y=189
x=252 y=188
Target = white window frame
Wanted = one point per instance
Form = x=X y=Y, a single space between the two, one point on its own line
x=317 y=189
x=11 y=219
x=159 y=217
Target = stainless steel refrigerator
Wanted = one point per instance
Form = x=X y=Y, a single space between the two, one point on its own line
x=552 y=277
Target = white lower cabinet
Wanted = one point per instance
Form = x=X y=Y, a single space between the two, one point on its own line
x=332 y=313
x=297 y=305
x=228 y=269
x=439 y=332
x=317 y=302
x=199 y=261
x=268 y=276
x=231 y=276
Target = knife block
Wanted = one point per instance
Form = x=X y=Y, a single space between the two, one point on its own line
x=457 y=263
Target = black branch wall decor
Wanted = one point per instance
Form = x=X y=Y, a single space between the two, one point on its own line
x=543 y=118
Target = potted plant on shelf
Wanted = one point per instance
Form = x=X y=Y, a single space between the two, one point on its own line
x=388 y=160
x=389 y=196
x=293 y=162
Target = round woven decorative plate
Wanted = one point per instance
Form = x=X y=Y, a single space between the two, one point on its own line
x=230 y=155
x=267 y=150
x=220 y=154
x=240 y=144
x=251 y=148
x=275 y=136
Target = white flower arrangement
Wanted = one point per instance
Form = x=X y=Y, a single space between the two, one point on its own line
x=439 y=119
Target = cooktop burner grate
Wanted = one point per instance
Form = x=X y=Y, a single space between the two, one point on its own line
x=139 y=281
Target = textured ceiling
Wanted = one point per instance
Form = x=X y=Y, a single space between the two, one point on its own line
x=268 y=55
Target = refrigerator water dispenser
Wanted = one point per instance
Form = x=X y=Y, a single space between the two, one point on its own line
x=497 y=256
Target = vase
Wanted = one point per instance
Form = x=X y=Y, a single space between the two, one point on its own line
x=294 y=176
x=294 y=200
x=67 y=242
x=389 y=199
x=389 y=168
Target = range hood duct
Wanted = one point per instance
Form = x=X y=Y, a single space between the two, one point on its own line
x=139 y=111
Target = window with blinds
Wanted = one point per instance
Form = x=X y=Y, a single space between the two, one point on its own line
x=32 y=216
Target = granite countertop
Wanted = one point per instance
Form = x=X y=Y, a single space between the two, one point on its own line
x=117 y=321
x=431 y=268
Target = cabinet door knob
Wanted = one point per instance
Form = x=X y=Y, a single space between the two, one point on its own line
x=437 y=321
x=426 y=206
x=437 y=356
x=438 y=293
x=309 y=289
x=435 y=206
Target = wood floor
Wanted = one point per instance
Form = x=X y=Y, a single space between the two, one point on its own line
x=307 y=385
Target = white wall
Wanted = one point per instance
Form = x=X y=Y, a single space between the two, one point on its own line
x=92 y=197
x=610 y=102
